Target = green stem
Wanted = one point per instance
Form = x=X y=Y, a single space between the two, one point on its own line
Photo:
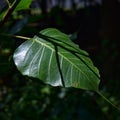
x=108 y=100
x=14 y=36
x=9 y=11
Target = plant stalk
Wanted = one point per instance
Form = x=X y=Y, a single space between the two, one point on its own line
x=108 y=100
x=9 y=11
x=9 y=4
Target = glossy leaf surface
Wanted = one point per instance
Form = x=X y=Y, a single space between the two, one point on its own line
x=53 y=58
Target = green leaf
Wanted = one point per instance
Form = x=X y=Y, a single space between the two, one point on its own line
x=53 y=58
x=2 y=14
x=24 y=4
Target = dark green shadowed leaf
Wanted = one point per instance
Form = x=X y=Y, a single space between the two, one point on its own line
x=53 y=58
x=24 y=4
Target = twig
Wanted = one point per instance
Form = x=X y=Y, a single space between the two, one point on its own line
x=9 y=11
x=9 y=4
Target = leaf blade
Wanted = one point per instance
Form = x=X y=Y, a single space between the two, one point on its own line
x=24 y=4
x=56 y=61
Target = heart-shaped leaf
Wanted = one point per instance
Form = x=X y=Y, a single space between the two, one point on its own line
x=53 y=58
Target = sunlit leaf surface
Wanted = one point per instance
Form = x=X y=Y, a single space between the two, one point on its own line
x=53 y=58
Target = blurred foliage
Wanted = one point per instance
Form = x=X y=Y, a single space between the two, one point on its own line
x=23 y=98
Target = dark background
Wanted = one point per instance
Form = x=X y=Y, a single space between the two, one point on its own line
x=95 y=27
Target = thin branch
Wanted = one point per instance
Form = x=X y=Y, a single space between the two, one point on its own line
x=14 y=36
x=9 y=4
x=9 y=11
x=107 y=100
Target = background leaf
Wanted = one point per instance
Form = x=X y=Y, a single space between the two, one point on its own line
x=24 y=4
x=53 y=58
